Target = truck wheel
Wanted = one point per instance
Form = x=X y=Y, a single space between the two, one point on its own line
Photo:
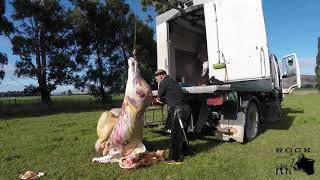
x=252 y=122
x=272 y=113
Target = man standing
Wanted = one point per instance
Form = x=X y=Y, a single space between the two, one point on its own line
x=179 y=113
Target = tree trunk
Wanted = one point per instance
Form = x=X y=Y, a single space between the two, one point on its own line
x=45 y=95
x=42 y=73
x=100 y=71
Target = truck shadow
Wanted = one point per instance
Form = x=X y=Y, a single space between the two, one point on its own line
x=206 y=143
x=286 y=121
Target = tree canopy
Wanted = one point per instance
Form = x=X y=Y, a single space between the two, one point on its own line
x=5 y=28
x=105 y=35
x=160 y=6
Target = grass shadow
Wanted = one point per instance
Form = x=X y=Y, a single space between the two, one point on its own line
x=38 y=110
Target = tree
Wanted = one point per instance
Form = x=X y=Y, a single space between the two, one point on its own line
x=5 y=28
x=317 y=68
x=63 y=93
x=69 y=92
x=3 y=61
x=94 y=31
x=31 y=90
x=43 y=41
x=105 y=32
x=160 y=6
x=135 y=34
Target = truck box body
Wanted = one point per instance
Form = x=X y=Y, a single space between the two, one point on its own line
x=234 y=32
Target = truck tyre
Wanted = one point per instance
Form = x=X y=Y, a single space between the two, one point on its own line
x=272 y=113
x=252 y=122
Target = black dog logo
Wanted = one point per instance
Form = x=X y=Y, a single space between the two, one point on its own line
x=304 y=164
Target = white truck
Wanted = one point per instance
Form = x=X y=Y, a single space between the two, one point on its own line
x=247 y=86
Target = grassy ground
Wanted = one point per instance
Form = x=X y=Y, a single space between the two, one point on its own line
x=305 y=91
x=62 y=146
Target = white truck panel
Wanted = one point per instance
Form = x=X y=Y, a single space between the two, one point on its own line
x=197 y=2
x=240 y=42
x=162 y=47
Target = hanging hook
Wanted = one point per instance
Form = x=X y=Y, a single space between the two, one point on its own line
x=134 y=52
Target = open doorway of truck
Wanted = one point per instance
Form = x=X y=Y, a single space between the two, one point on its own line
x=188 y=50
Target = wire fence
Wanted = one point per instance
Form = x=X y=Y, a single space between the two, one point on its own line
x=15 y=107
x=33 y=100
x=17 y=102
x=30 y=106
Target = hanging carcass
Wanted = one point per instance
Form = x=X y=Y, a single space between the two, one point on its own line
x=120 y=131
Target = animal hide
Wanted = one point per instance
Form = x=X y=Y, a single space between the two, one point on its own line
x=120 y=132
x=142 y=159
x=31 y=175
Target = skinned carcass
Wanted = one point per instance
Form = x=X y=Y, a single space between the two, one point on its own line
x=120 y=131
x=105 y=125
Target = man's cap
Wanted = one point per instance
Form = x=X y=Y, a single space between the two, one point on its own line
x=160 y=72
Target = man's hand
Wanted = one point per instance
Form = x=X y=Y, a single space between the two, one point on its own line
x=157 y=101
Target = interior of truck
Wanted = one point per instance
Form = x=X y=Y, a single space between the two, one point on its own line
x=188 y=50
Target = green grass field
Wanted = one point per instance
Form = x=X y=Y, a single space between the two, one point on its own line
x=305 y=91
x=62 y=146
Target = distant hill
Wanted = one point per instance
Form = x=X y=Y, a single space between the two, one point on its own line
x=308 y=80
